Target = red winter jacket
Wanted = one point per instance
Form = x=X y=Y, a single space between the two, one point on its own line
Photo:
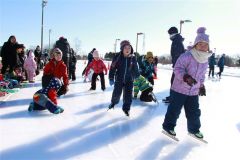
x=97 y=65
x=57 y=69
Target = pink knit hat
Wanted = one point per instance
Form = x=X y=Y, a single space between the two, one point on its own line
x=95 y=53
x=57 y=51
x=201 y=36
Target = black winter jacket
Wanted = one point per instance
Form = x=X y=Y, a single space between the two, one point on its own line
x=124 y=69
x=64 y=46
x=9 y=54
x=177 y=48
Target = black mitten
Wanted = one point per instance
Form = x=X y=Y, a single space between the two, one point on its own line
x=189 y=80
x=202 y=91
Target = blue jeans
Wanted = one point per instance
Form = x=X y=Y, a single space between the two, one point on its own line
x=192 y=111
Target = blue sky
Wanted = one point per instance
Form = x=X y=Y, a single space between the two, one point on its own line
x=97 y=23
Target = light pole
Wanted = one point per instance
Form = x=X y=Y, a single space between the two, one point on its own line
x=143 y=46
x=181 y=22
x=49 y=39
x=137 y=40
x=44 y=3
x=115 y=45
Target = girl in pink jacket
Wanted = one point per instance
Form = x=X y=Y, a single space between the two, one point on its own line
x=30 y=66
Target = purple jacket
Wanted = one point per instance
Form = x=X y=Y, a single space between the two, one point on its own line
x=186 y=64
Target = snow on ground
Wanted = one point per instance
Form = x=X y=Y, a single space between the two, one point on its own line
x=85 y=130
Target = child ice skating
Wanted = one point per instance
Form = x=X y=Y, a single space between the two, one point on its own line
x=98 y=66
x=46 y=98
x=30 y=66
x=123 y=71
x=188 y=84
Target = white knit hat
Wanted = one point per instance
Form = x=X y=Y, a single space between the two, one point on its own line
x=95 y=53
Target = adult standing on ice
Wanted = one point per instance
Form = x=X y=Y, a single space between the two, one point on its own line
x=221 y=63
x=188 y=84
x=177 y=48
x=124 y=69
x=64 y=46
x=211 y=63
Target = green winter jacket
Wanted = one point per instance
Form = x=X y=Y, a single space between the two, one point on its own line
x=141 y=84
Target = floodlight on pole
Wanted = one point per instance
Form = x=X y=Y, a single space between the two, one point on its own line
x=115 y=44
x=50 y=31
x=44 y=3
x=140 y=33
x=181 y=23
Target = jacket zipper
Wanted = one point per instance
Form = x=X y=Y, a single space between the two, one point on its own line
x=125 y=70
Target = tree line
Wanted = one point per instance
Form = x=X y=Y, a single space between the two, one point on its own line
x=230 y=61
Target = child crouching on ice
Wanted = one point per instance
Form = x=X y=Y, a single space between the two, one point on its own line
x=143 y=85
x=46 y=98
x=188 y=84
x=98 y=67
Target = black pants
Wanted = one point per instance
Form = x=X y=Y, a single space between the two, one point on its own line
x=127 y=89
x=72 y=74
x=145 y=95
x=211 y=70
x=171 y=81
x=220 y=71
x=94 y=78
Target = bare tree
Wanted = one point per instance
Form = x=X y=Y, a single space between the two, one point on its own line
x=77 y=45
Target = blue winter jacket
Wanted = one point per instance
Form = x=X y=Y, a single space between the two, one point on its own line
x=211 y=61
x=124 y=69
x=90 y=58
x=221 y=62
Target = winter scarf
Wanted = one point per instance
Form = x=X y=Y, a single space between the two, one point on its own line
x=199 y=56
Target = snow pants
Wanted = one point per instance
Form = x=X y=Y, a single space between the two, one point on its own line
x=192 y=112
x=127 y=89
x=211 y=71
x=145 y=96
x=31 y=74
x=94 y=78
x=42 y=102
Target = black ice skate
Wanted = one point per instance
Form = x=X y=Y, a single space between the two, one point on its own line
x=126 y=112
x=111 y=106
x=154 y=98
